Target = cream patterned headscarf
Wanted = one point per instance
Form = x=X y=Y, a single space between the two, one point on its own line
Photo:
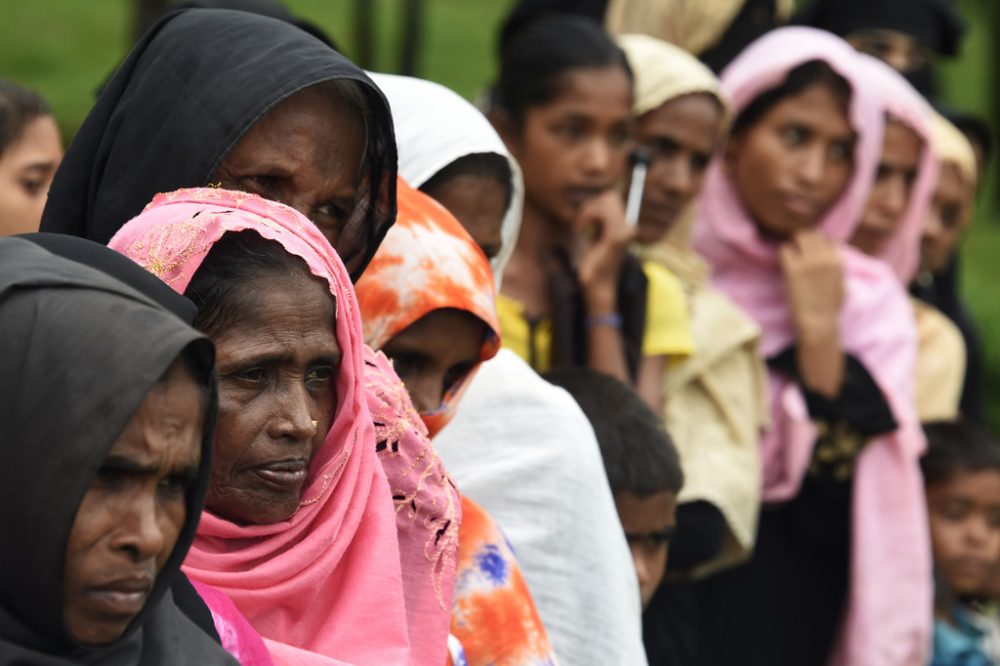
x=664 y=72
x=693 y=25
x=952 y=147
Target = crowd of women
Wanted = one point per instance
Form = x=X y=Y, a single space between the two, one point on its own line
x=403 y=469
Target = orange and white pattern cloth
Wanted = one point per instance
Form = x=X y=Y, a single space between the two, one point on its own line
x=427 y=262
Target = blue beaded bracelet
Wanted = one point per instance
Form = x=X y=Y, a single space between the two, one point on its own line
x=612 y=319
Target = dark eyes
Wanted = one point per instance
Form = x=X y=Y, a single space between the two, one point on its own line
x=321 y=375
x=840 y=152
x=620 y=135
x=571 y=131
x=171 y=485
x=700 y=162
x=33 y=187
x=250 y=376
x=950 y=216
x=794 y=135
x=262 y=185
x=258 y=377
x=177 y=484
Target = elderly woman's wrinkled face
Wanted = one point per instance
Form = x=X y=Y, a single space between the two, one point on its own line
x=307 y=153
x=130 y=519
x=277 y=369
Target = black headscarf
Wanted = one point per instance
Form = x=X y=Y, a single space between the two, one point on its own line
x=125 y=270
x=935 y=24
x=80 y=352
x=118 y=266
x=182 y=100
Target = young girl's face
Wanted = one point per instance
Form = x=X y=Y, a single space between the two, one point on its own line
x=794 y=162
x=890 y=194
x=950 y=213
x=435 y=355
x=964 y=515
x=681 y=136
x=576 y=146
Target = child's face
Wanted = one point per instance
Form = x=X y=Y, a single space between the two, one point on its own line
x=649 y=524
x=965 y=528
x=576 y=146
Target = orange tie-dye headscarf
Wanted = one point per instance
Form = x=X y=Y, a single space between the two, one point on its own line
x=427 y=262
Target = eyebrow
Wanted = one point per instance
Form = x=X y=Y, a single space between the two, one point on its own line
x=124 y=465
x=40 y=166
x=269 y=358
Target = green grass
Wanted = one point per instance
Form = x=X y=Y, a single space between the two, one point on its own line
x=66 y=48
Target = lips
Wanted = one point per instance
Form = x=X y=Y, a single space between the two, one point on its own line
x=799 y=205
x=578 y=196
x=663 y=212
x=972 y=565
x=120 y=598
x=284 y=475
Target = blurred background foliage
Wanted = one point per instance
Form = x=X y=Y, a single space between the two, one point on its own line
x=66 y=48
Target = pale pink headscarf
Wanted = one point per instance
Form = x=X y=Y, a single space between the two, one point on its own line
x=324 y=586
x=890 y=599
x=903 y=103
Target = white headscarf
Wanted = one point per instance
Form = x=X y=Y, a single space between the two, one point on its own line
x=436 y=126
x=521 y=447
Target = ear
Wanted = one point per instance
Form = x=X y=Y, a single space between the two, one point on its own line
x=505 y=126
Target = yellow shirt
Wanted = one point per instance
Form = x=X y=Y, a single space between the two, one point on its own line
x=668 y=331
x=668 y=325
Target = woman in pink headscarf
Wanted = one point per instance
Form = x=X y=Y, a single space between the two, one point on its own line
x=299 y=531
x=842 y=568
x=891 y=226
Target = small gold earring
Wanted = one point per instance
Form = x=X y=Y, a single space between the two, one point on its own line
x=315 y=424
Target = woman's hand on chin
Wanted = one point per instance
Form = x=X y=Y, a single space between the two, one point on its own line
x=607 y=237
x=814 y=280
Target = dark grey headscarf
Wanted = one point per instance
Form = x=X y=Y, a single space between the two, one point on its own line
x=80 y=352
x=182 y=100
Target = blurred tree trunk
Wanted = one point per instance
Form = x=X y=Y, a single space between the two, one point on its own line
x=364 y=32
x=994 y=17
x=410 y=37
x=144 y=14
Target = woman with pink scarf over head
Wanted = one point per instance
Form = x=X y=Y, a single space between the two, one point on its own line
x=300 y=531
x=891 y=226
x=841 y=571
